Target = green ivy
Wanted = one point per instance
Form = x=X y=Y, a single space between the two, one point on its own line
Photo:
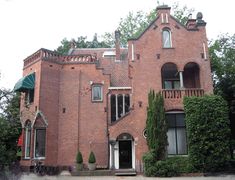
x=208 y=132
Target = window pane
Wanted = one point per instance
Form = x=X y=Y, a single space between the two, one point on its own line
x=113 y=108
x=168 y=85
x=166 y=39
x=120 y=105
x=181 y=140
x=176 y=84
x=40 y=143
x=170 y=120
x=171 y=141
x=27 y=142
x=127 y=103
x=180 y=120
x=96 y=93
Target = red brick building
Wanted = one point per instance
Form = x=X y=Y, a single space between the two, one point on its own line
x=96 y=99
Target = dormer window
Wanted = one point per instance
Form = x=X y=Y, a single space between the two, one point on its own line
x=166 y=38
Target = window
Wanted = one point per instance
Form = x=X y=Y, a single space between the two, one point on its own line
x=27 y=139
x=29 y=96
x=120 y=105
x=40 y=142
x=166 y=39
x=97 y=94
x=170 y=76
x=176 y=134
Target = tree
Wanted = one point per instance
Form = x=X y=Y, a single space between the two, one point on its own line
x=156 y=125
x=222 y=55
x=10 y=127
x=81 y=42
x=135 y=23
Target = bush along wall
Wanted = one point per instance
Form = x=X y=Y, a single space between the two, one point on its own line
x=208 y=132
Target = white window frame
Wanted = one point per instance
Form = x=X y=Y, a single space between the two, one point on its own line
x=27 y=129
x=35 y=134
x=163 y=40
x=101 y=93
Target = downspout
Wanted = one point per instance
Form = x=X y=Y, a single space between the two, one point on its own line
x=107 y=125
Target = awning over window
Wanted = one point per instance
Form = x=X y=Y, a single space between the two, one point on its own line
x=25 y=83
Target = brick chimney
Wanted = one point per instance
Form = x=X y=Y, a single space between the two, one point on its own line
x=117 y=45
x=163 y=12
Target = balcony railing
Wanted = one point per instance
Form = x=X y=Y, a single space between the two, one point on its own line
x=179 y=93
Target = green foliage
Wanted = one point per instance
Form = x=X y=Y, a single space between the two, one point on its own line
x=208 y=132
x=222 y=55
x=165 y=169
x=156 y=125
x=149 y=160
x=79 y=158
x=10 y=127
x=81 y=42
x=92 y=158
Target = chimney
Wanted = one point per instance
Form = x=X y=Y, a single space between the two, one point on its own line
x=163 y=12
x=117 y=45
x=200 y=21
x=72 y=45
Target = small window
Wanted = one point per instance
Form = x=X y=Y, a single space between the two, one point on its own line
x=166 y=37
x=97 y=94
x=29 y=96
x=27 y=139
x=40 y=143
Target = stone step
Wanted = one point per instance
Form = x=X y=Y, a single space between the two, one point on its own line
x=125 y=172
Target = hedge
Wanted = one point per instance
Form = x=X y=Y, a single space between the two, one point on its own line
x=208 y=132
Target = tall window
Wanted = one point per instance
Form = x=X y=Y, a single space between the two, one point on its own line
x=166 y=38
x=27 y=139
x=97 y=93
x=120 y=105
x=176 y=134
x=40 y=143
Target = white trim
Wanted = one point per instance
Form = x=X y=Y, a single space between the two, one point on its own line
x=26 y=143
x=167 y=18
x=162 y=18
x=175 y=112
x=43 y=118
x=132 y=52
x=118 y=88
x=204 y=50
x=116 y=155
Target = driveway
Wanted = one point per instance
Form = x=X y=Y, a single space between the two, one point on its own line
x=139 y=177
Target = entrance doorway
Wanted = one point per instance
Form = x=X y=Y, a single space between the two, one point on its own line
x=125 y=154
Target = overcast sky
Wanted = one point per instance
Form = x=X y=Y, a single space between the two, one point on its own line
x=28 y=25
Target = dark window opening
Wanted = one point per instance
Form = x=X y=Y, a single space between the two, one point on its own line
x=97 y=93
x=127 y=103
x=29 y=96
x=27 y=139
x=120 y=106
x=113 y=108
x=170 y=76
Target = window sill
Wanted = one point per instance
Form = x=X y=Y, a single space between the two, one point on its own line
x=177 y=155
x=39 y=158
x=101 y=101
x=26 y=158
x=168 y=48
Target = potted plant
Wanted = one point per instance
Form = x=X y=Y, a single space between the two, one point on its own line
x=79 y=161
x=91 y=161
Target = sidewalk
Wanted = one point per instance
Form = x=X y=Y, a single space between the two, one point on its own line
x=34 y=177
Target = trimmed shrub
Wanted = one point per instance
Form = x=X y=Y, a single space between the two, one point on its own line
x=208 y=132
x=92 y=158
x=166 y=169
x=79 y=158
x=149 y=162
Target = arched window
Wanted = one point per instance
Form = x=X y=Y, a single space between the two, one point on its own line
x=170 y=76
x=27 y=140
x=166 y=38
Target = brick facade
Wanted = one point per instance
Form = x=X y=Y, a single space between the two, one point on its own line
x=63 y=89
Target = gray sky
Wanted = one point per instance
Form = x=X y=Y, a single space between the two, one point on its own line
x=28 y=25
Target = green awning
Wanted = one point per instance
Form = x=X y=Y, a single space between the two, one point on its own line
x=25 y=83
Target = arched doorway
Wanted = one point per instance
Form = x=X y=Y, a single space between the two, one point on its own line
x=125 y=155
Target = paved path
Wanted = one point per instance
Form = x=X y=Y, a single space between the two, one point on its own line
x=34 y=177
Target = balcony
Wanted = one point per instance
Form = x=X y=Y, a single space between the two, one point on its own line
x=180 y=93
